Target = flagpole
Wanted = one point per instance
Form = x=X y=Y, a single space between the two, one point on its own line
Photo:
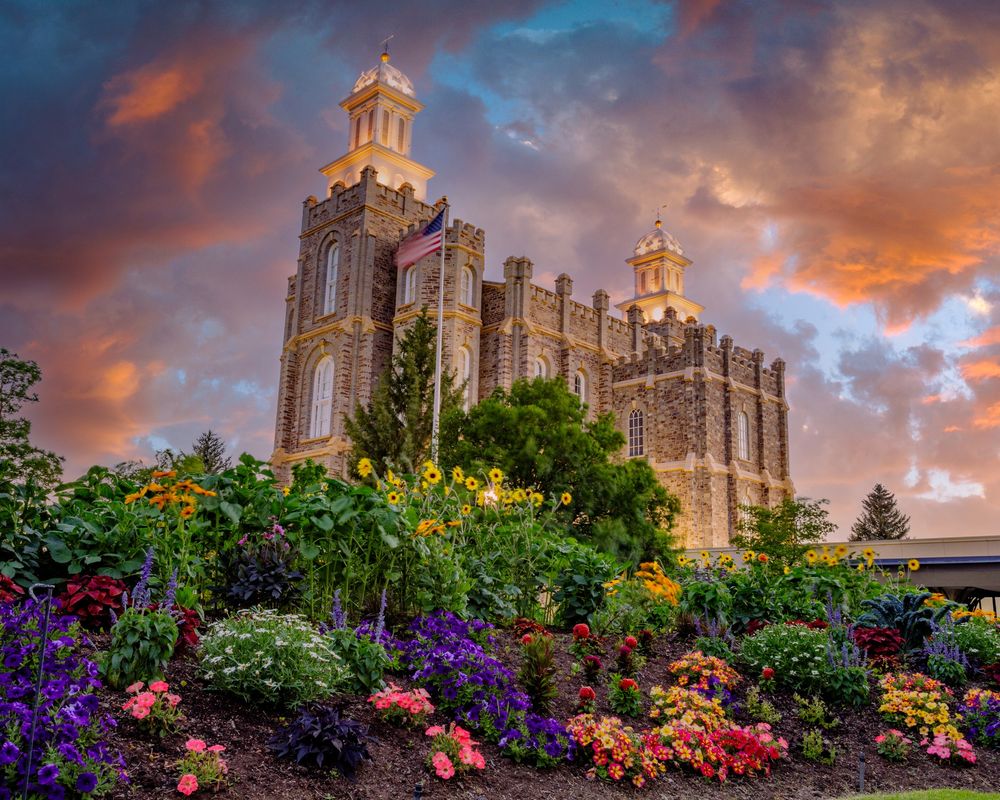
x=436 y=424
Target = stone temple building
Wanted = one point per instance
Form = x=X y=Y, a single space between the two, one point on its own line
x=709 y=416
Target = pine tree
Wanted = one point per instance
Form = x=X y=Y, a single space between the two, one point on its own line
x=211 y=448
x=395 y=429
x=880 y=518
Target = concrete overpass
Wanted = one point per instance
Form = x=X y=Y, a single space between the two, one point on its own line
x=965 y=568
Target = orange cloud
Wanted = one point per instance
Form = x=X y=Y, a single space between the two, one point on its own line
x=990 y=419
x=985 y=339
x=980 y=370
x=149 y=92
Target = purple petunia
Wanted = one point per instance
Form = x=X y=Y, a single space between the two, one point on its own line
x=86 y=783
x=48 y=774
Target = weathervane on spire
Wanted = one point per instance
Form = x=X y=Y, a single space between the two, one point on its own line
x=385 y=46
x=659 y=221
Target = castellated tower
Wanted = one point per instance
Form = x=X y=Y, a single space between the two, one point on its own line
x=710 y=417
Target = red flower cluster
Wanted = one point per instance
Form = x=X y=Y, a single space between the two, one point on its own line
x=767 y=673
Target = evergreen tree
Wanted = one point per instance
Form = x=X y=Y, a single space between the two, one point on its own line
x=880 y=518
x=211 y=448
x=20 y=461
x=395 y=429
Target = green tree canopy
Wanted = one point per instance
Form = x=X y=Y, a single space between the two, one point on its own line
x=395 y=429
x=786 y=531
x=538 y=434
x=880 y=517
x=20 y=461
x=211 y=449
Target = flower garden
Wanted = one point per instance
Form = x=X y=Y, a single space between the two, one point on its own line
x=445 y=634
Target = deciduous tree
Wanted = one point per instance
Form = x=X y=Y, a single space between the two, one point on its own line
x=21 y=461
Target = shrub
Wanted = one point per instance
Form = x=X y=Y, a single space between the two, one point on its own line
x=453 y=751
x=320 y=737
x=93 y=599
x=846 y=682
x=816 y=748
x=538 y=671
x=979 y=640
x=264 y=656
x=624 y=696
x=980 y=712
x=707 y=598
x=70 y=752
x=261 y=573
x=893 y=745
x=141 y=645
x=798 y=656
x=154 y=709
x=758 y=709
x=402 y=708
x=579 y=587
x=364 y=658
x=879 y=644
x=202 y=767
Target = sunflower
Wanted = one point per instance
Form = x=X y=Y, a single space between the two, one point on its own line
x=704 y=555
x=537 y=498
x=457 y=475
x=394 y=498
x=496 y=476
x=164 y=473
x=913 y=565
x=520 y=495
x=840 y=550
x=749 y=555
x=432 y=474
x=466 y=509
x=566 y=498
x=286 y=491
x=787 y=570
x=187 y=511
x=683 y=561
x=364 y=467
x=471 y=484
x=811 y=557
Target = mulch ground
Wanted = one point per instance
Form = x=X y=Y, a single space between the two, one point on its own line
x=398 y=755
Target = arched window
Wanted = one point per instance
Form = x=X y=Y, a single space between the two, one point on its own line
x=384 y=133
x=332 y=269
x=743 y=436
x=410 y=285
x=642 y=283
x=401 y=135
x=322 y=399
x=468 y=283
x=357 y=131
x=541 y=368
x=465 y=374
x=635 y=433
x=580 y=385
x=371 y=124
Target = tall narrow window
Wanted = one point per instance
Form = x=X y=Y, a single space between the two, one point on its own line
x=635 y=433
x=357 y=130
x=465 y=374
x=410 y=285
x=371 y=124
x=580 y=385
x=401 y=135
x=743 y=436
x=332 y=270
x=384 y=133
x=468 y=282
x=541 y=368
x=642 y=283
x=322 y=399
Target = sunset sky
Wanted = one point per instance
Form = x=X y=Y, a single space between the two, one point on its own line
x=832 y=168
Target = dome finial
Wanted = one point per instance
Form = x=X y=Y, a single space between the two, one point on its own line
x=659 y=221
x=385 y=48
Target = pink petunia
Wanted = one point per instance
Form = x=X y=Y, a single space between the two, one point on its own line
x=195 y=745
x=217 y=748
x=146 y=699
x=159 y=686
x=135 y=687
x=140 y=712
x=434 y=730
x=188 y=784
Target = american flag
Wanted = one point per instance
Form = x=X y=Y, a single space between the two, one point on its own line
x=421 y=244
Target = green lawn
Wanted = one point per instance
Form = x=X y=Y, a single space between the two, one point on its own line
x=931 y=794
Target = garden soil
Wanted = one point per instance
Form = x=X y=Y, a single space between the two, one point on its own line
x=397 y=770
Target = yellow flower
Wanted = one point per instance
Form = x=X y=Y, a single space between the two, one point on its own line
x=749 y=555
x=165 y=473
x=913 y=564
x=496 y=476
x=432 y=474
x=480 y=498
x=457 y=475
x=537 y=498
x=811 y=556
x=391 y=477
x=704 y=555
x=683 y=561
x=364 y=467
x=466 y=509
x=566 y=498
x=869 y=555
x=861 y=567
x=840 y=550
x=394 y=498
x=286 y=491
x=520 y=495
x=471 y=484
x=787 y=570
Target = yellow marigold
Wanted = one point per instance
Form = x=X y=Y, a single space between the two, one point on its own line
x=471 y=484
x=457 y=475
x=566 y=498
x=364 y=467
x=495 y=475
